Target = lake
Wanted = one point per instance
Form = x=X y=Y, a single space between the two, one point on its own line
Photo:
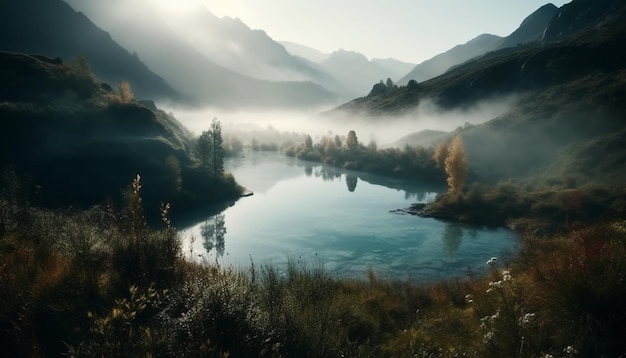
x=339 y=219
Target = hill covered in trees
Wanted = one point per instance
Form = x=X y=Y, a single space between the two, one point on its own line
x=80 y=142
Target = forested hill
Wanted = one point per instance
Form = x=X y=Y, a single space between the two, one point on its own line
x=80 y=142
x=584 y=38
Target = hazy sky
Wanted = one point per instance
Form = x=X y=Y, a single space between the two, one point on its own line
x=409 y=30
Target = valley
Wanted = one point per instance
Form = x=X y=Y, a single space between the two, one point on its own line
x=177 y=183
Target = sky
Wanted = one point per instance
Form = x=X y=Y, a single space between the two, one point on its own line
x=408 y=30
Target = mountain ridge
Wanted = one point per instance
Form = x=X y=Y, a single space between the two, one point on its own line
x=63 y=32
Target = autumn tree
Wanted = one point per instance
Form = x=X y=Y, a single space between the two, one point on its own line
x=352 y=142
x=456 y=164
x=80 y=66
x=126 y=95
x=441 y=153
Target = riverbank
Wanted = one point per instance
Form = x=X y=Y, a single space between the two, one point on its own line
x=90 y=284
x=549 y=210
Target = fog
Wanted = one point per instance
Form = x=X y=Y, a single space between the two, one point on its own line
x=383 y=129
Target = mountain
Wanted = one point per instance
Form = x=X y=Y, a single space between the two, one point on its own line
x=395 y=68
x=352 y=69
x=140 y=25
x=531 y=29
x=456 y=55
x=531 y=67
x=304 y=52
x=582 y=15
x=82 y=144
x=53 y=28
x=566 y=127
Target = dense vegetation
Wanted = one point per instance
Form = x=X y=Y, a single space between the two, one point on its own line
x=411 y=162
x=101 y=283
x=80 y=142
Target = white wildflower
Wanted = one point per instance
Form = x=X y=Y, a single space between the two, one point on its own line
x=506 y=275
x=525 y=319
x=497 y=284
x=492 y=261
x=488 y=336
x=469 y=298
x=569 y=350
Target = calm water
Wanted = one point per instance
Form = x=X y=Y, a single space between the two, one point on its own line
x=340 y=219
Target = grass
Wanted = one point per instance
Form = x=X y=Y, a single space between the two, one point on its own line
x=101 y=283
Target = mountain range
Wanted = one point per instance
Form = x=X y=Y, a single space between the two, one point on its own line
x=566 y=124
x=204 y=59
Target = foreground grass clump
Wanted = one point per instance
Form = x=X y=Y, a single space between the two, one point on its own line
x=101 y=283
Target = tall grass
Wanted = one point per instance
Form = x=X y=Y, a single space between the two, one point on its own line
x=101 y=283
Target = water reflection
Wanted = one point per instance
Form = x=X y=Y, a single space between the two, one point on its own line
x=351 y=182
x=327 y=173
x=452 y=238
x=294 y=215
x=213 y=232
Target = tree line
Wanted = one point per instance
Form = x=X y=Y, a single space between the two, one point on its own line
x=448 y=161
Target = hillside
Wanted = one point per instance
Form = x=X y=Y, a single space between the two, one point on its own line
x=533 y=67
x=531 y=29
x=52 y=28
x=566 y=127
x=80 y=144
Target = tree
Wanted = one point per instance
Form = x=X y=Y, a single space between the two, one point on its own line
x=204 y=149
x=441 y=153
x=308 y=142
x=389 y=83
x=80 y=66
x=126 y=95
x=338 y=143
x=217 y=150
x=372 y=146
x=456 y=164
x=352 y=142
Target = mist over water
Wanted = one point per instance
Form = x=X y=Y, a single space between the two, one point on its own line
x=382 y=129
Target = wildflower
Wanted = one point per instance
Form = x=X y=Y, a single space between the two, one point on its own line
x=469 y=298
x=506 y=275
x=488 y=336
x=525 y=319
x=496 y=284
x=492 y=261
x=569 y=350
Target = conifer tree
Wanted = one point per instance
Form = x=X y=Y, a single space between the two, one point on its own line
x=352 y=142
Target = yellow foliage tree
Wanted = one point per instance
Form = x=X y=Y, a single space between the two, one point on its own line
x=126 y=95
x=441 y=153
x=456 y=164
